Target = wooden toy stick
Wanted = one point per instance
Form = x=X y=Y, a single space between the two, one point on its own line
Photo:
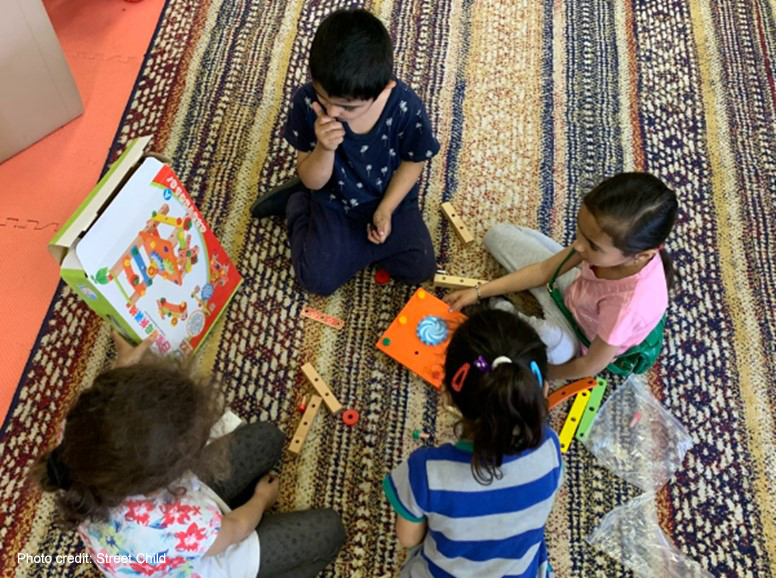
x=322 y=317
x=453 y=282
x=323 y=390
x=572 y=421
x=295 y=447
x=591 y=410
x=565 y=392
x=457 y=223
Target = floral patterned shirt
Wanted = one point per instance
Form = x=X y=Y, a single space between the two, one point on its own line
x=365 y=163
x=162 y=534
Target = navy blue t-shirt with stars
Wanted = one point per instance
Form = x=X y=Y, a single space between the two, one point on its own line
x=365 y=163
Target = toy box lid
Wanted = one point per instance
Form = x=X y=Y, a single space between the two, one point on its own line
x=95 y=202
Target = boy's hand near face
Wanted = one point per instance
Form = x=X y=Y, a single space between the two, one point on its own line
x=329 y=131
x=380 y=227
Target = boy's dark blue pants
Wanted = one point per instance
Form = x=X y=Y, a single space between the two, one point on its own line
x=328 y=247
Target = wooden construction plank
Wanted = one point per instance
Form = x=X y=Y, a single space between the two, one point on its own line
x=453 y=282
x=596 y=395
x=560 y=395
x=295 y=447
x=322 y=317
x=572 y=420
x=458 y=226
x=322 y=388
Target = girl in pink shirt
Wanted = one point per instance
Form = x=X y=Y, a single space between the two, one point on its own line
x=615 y=284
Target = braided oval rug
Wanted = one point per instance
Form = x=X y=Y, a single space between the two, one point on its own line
x=533 y=103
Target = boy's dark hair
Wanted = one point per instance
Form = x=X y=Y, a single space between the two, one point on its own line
x=638 y=211
x=138 y=429
x=504 y=409
x=352 y=55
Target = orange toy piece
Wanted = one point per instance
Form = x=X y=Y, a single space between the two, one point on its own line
x=560 y=395
x=400 y=341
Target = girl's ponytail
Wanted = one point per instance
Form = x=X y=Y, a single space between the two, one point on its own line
x=493 y=371
x=668 y=267
x=513 y=412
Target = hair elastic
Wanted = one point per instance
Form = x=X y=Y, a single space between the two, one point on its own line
x=535 y=369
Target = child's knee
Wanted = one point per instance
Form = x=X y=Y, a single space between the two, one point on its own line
x=332 y=526
x=496 y=235
x=316 y=280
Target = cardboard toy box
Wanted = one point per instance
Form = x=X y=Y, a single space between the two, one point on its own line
x=139 y=253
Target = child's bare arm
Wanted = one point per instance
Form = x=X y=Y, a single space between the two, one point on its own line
x=534 y=275
x=240 y=522
x=598 y=356
x=410 y=533
x=401 y=183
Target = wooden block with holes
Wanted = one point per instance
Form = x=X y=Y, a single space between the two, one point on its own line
x=572 y=421
x=295 y=447
x=455 y=220
x=453 y=282
x=323 y=390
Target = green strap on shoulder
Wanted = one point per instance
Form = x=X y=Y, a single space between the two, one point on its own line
x=558 y=298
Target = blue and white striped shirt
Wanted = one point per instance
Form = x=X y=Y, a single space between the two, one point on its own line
x=474 y=529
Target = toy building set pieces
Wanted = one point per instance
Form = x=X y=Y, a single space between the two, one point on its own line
x=454 y=282
x=322 y=388
x=572 y=420
x=350 y=417
x=591 y=410
x=295 y=447
x=417 y=338
x=457 y=223
x=382 y=276
x=560 y=395
x=322 y=317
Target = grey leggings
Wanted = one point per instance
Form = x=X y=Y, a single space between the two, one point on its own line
x=293 y=544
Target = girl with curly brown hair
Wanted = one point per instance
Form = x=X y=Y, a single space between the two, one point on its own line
x=135 y=476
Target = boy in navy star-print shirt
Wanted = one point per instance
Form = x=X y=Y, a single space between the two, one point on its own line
x=362 y=139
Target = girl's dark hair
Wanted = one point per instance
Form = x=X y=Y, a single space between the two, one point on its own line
x=352 y=55
x=138 y=429
x=504 y=409
x=638 y=211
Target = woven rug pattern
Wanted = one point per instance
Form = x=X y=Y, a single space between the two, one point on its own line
x=533 y=103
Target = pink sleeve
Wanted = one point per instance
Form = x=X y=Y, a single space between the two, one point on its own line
x=619 y=325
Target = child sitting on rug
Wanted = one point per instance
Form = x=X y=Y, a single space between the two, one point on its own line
x=479 y=507
x=362 y=139
x=148 y=497
x=621 y=293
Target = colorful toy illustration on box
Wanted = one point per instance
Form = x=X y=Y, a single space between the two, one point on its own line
x=152 y=250
x=418 y=336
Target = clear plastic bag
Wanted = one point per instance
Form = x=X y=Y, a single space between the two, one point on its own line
x=631 y=534
x=636 y=438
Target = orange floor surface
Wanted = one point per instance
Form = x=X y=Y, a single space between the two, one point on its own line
x=104 y=43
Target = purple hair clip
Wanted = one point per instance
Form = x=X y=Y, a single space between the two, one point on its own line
x=481 y=364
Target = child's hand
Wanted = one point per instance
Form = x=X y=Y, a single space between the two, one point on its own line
x=126 y=353
x=329 y=131
x=461 y=298
x=378 y=230
x=268 y=489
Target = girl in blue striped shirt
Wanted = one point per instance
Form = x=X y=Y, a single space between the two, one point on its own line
x=478 y=507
